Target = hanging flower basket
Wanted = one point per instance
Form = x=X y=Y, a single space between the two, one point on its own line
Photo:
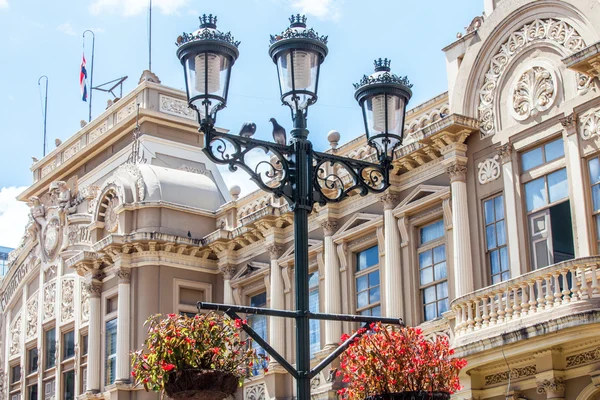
x=191 y=358
x=420 y=395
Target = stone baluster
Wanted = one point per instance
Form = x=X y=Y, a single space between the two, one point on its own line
x=470 y=320
x=94 y=359
x=457 y=320
x=486 y=316
x=478 y=317
x=557 y=291
x=524 y=303
x=532 y=301
x=493 y=313
x=333 y=287
x=516 y=303
x=540 y=293
x=394 y=299
x=501 y=310
x=574 y=284
x=463 y=311
x=276 y=324
x=463 y=265
x=583 y=290
x=549 y=297
x=123 y=325
x=595 y=287
x=508 y=310
x=566 y=298
x=228 y=272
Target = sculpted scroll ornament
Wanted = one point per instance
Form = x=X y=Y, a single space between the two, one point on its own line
x=32 y=317
x=85 y=303
x=49 y=299
x=15 y=336
x=67 y=308
x=551 y=385
x=590 y=125
x=489 y=170
x=541 y=30
x=534 y=92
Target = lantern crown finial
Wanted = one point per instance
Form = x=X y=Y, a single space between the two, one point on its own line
x=382 y=64
x=208 y=21
x=298 y=21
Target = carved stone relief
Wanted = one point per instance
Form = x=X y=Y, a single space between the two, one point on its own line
x=71 y=151
x=551 y=385
x=255 y=392
x=126 y=111
x=488 y=170
x=541 y=30
x=79 y=234
x=533 y=93
x=49 y=299
x=589 y=125
x=67 y=305
x=15 y=336
x=111 y=219
x=583 y=358
x=173 y=106
x=99 y=131
x=85 y=303
x=48 y=168
x=32 y=317
x=515 y=373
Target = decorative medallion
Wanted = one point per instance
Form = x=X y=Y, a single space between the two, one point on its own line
x=534 y=92
x=67 y=305
x=111 y=219
x=52 y=237
x=49 y=299
x=541 y=30
x=32 y=317
x=589 y=125
x=489 y=170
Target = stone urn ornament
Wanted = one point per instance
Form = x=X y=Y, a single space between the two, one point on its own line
x=192 y=358
x=387 y=363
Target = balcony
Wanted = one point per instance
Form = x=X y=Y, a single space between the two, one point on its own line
x=557 y=297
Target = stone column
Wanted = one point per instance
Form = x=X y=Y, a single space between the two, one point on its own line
x=510 y=210
x=94 y=358
x=276 y=324
x=333 y=291
x=461 y=237
x=392 y=274
x=576 y=187
x=553 y=388
x=228 y=271
x=123 y=324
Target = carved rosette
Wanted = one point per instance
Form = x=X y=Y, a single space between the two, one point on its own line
x=389 y=200
x=457 y=172
x=589 y=125
x=111 y=219
x=15 y=336
x=49 y=299
x=85 y=303
x=533 y=93
x=32 y=317
x=124 y=275
x=275 y=250
x=540 y=30
x=329 y=226
x=228 y=271
x=489 y=170
x=551 y=385
x=67 y=305
x=255 y=392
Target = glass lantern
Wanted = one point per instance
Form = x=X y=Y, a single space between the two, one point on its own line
x=207 y=56
x=298 y=53
x=383 y=97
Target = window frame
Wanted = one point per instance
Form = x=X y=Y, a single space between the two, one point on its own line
x=366 y=272
x=541 y=146
x=64 y=356
x=29 y=363
x=107 y=315
x=178 y=284
x=257 y=292
x=317 y=289
x=487 y=252
x=45 y=347
x=595 y=213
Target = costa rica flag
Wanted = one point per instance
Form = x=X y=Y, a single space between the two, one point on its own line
x=82 y=80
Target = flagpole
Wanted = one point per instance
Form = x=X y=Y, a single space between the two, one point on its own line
x=150 y=37
x=91 y=70
x=45 y=110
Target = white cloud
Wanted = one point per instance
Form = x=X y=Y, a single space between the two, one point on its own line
x=67 y=29
x=322 y=9
x=240 y=177
x=193 y=12
x=3 y=3
x=135 y=7
x=14 y=215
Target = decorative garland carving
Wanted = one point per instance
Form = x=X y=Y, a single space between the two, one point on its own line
x=255 y=392
x=515 y=373
x=174 y=106
x=49 y=299
x=32 y=317
x=67 y=305
x=534 y=92
x=489 y=170
x=551 y=385
x=85 y=303
x=15 y=336
x=583 y=358
x=550 y=29
x=589 y=125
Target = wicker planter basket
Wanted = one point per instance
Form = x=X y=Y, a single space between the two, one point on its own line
x=420 y=395
x=191 y=384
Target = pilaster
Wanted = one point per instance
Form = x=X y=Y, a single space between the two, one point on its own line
x=276 y=324
x=228 y=272
x=94 y=288
x=394 y=303
x=333 y=293
x=510 y=207
x=123 y=325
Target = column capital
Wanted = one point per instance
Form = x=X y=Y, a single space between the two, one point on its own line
x=124 y=275
x=227 y=270
x=569 y=122
x=457 y=172
x=275 y=250
x=389 y=200
x=330 y=226
x=505 y=152
x=553 y=385
x=94 y=288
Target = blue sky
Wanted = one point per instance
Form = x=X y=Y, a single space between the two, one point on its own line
x=45 y=38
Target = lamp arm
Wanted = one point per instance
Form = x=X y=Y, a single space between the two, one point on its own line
x=271 y=175
x=336 y=177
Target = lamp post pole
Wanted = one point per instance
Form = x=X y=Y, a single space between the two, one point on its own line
x=295 y=171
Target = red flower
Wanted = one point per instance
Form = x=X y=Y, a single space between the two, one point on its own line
x=133 y=373
x=266 y=370
x=172 y=315
x=216 y=350
x=168 y=367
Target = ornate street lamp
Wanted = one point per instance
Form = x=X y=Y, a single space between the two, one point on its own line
x=295 y=171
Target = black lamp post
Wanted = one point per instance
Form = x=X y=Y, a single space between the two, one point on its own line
x=296 y=172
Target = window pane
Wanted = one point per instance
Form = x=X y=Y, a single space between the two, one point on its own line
x=440 y=271
x=532 y=159
x=554 y=150
x=594 y=164
x=490 y=236
x=535 y=194
x=439 y=254
x=494 y=262
x=32 y=360
x=376 y=311
x=425 y=259
x=69 y=385
x=541 y=254
x=313 y=280
x=557 y=185
x=442 y=307
x=596 y=196
x=501 y=233
x=315 y=331
x=426 y=276
x=374 y=295
x=260 y=300
x=50 y=343
x=363 y=299
x=362 y=283
x=429 y=295
x=499 y=206
x=68 y=345
x=432 y=231
x=504 y=258
x=374 y=279
x=430 y=312
x=367 y=258
x=442 y=290
x=488 y=210
x=111 y=351
x=32 y=392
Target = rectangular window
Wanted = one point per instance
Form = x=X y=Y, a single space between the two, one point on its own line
x=68 y=345
x=32 y=392
x=15 y=373
x=433 y=277
x=313 y=304
x=49 y=390
x=546 y=190
x=495 y=239
x=84 y=345
x=50 y=348
x=543 y=154
x=69 y=385
x=259 y=324
x=32 y=360
x=111 y=304
x=15 y=396
x=368 y=299
x=594 y=165
x=110 y=360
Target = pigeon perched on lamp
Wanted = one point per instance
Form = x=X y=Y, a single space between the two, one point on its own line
x=279 y=135
x=248 y=129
